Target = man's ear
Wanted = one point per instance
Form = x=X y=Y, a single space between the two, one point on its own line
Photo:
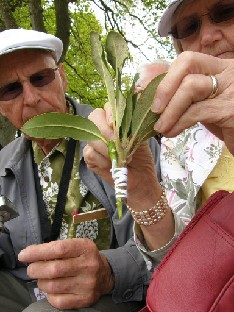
x=63 y=75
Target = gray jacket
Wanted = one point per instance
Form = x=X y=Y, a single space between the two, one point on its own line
x=17 y=183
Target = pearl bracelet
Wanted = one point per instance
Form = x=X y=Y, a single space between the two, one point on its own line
x=153 y=214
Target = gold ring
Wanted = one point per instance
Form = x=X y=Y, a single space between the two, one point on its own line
x=215 y=86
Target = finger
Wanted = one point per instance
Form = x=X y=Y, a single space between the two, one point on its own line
x=60 y=249
x=86 y=264
x=52 y=269
x=192 y=89
x=98 y=163
x=98 y=147
x=95 y=159
x=109 y=117
x=58 y=285
x=206 y=112
x=67 y=285
x=218 y=112
x=99 y=117
x=187 y=63
x=72 y=301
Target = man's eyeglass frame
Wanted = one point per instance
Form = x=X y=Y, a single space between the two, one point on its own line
x=39 y=79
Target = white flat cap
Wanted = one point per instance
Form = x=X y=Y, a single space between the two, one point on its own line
x=164 y=26
x=18 y=39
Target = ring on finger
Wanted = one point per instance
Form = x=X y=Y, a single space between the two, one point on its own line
x=215 y=86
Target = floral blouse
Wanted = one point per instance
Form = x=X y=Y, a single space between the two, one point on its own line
x=186 y=162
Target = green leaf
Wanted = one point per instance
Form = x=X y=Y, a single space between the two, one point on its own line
x=146 y=131
x=120 y=109
x=99 y=60
x=127 y=117
x=147 y=128
x=117 y=51
x=60 y=125
x=143 y=108
x=130 y=105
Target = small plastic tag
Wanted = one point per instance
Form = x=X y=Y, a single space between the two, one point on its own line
x=39 y=294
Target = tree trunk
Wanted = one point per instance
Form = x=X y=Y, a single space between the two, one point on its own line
x=62 y=24
x=36 y=15
x=6 y=14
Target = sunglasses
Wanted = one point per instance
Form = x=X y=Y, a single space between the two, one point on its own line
x=190 y=25
x=38 y=80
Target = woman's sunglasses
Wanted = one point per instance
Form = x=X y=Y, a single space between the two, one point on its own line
x=38 y=80
x=190 y=25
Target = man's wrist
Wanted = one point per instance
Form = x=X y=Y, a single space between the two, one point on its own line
x=109 y=277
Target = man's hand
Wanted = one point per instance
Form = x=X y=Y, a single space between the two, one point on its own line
x=72 y=272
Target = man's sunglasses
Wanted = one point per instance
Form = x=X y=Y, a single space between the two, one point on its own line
x=38 y=80
x=190 y=25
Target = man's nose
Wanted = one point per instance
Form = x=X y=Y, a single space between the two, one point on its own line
x=30 y=93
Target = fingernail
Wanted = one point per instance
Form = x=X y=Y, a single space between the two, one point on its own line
x=158 y=125
x=156 y=106
x=21 y=255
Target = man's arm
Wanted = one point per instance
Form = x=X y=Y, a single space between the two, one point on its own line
x=130 y=273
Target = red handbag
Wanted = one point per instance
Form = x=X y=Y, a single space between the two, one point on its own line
x=197 y=274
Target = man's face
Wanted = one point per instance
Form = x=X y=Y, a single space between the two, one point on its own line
x=213 y=38
x=18 y=67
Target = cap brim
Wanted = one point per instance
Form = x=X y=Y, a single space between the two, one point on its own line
x=26 y=47
x=164 y=26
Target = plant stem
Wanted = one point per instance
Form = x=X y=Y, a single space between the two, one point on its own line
x=115 y=164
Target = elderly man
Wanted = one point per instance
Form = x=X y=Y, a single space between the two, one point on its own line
x=48 y=182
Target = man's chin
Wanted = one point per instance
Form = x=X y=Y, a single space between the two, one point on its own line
x=46 y=144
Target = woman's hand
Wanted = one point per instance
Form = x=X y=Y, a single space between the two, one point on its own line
x=142 y=180
x=185 y=101
x=182 y=96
